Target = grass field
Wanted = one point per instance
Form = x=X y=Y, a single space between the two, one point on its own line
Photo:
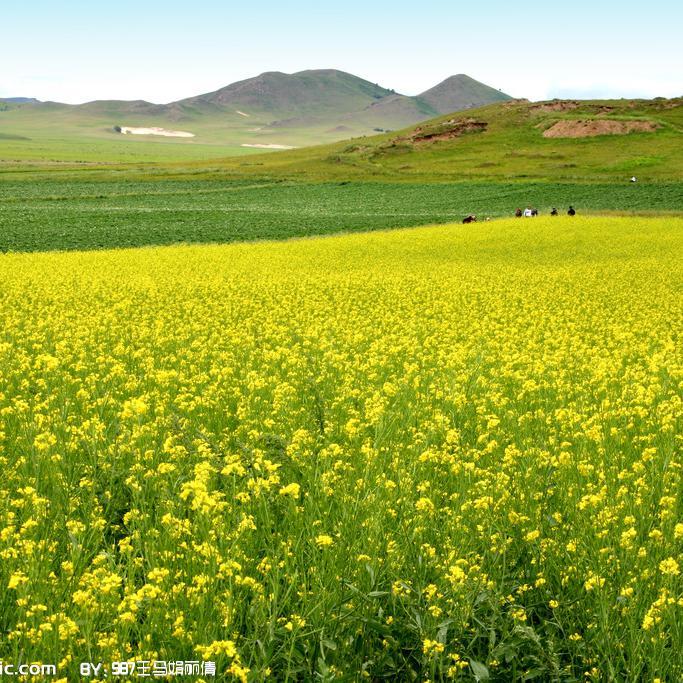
x=60 y=135
x=50 y=213
x=442 y=453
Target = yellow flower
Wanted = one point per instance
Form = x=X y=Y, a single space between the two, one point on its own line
x=216 y=648
x=16 y=580
x=291 y=490
x=432 y=647
x=324 y=541
x=669 y=567
x=424 y=505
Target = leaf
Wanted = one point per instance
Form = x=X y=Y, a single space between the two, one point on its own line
x=534 y=673
x=442 y=633
x=481 y=597
x=480 y=671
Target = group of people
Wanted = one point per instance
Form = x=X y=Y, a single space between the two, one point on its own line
x=529 y=212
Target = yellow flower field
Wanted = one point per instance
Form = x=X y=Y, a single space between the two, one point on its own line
x=442 y=453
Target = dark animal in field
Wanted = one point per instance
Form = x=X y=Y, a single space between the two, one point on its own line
x=470 y=219
x=572 y=211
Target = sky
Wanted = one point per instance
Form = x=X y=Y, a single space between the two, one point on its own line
x=163 y=51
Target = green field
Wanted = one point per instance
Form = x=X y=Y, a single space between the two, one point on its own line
x=50 y=214
x=67 y=137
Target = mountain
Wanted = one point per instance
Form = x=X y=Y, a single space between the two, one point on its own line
x=306 y=98
x=392 y=111
x=273 y=110
x=19 y=100
x=461 y=92
x=323 y=92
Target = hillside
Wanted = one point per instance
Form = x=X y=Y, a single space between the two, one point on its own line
x=19 y=100
x=557 y=140
x=324 y=92
x=461 y=92
x=273 y=110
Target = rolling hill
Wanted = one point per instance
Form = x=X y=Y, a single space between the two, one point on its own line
x=461 y=92
x=271 y=110
x=570 y=140
x=324 y=92
x=19 y=100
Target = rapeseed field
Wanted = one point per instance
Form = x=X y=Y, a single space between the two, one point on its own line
x=449 y=453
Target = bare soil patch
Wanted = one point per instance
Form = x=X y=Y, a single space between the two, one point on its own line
x=594 y=127
x=448 y=130
x=557 y=105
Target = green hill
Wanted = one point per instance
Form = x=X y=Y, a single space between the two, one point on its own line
x=316 y=93
x=461 y=92
x=19 y=100
x=568 y=140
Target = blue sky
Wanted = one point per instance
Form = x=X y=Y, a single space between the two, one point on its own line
x=162 y=51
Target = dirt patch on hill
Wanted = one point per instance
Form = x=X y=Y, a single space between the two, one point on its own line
x=554 y=106
x=591 y=128
x=448 y=130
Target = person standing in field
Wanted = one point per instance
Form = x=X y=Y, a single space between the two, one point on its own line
x=527 y=212
x=554 y=212
x=571 y=212
x=518 y=213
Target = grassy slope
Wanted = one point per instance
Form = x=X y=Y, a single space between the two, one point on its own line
x=512 y=147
